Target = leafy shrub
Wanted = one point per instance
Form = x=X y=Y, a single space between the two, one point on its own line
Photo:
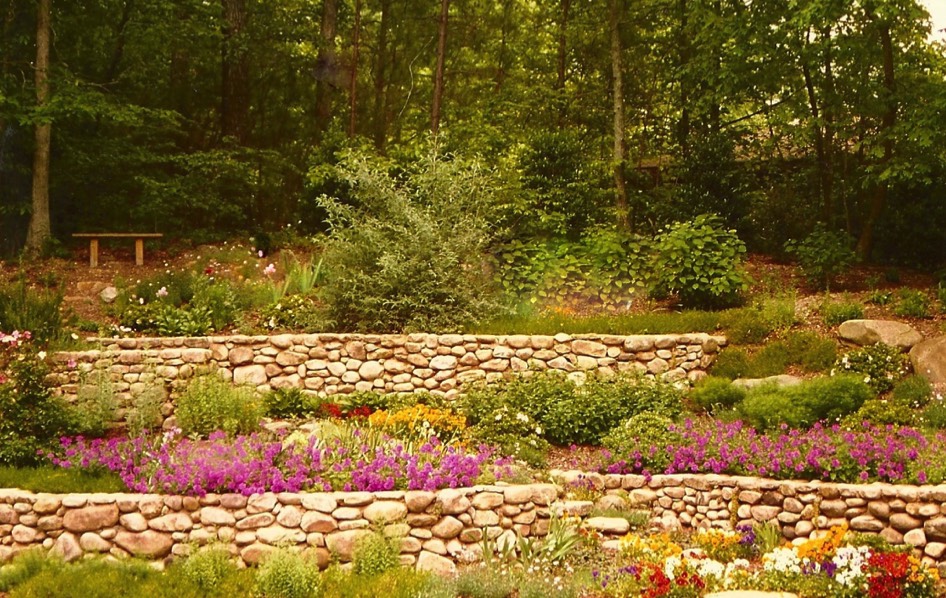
x=209 y=403
x=218 y=301
x=912 y=303
x=713 y=394
x=25 y=566
x=645 y=438
x=24 y=308
x=515 y=433
x=747 y=326
x=879 y=365
x=605 y=264
x=836 y=313
x=31 y=417
x=374 y=554
x=209 y=568
x=823 y=255
x=934 y=415
x=732 y=363
x=701 y=262
x=285 y=574
x=879 y=297
x=408 y=255
x=880 y=412
x=295 y=312
x=811 y=351
x=914 y=392
x=829 y=398
x=402 y=582
x=95 y=405
x=289 y=403
x=941 y=296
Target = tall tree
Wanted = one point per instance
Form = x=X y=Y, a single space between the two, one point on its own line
x=327 y=69
x=617 y=83
x=39 y=229
x=438 y=73
x=235 y=93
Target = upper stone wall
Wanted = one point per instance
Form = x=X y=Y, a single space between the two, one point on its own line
x=329 y=364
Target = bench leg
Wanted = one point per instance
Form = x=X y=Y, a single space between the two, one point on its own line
x=93 y=253
x=139 y=252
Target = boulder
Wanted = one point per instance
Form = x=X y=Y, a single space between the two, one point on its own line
x=929 y=359
x=145 y=544
x=871 y=332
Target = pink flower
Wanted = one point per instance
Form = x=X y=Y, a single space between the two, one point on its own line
x=269 y=270
x=71 y=364
x=260 y=253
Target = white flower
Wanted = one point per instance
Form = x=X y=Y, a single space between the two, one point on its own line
x=522 y=417
x=41 y=354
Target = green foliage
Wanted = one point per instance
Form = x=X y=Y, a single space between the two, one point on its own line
x=25 y=566
x=285 y=574
x=528 y=321
x=714 y=394
x=24 y=308
x=880 y=365
x=58 y=480
x=289 y=403
x=834 y=313
x=32 y=419
x=145 y=412
x=409 y=254
x=941 y=296
x=645 y=438
x=934 y=415
x=701 y=262
x=210 y=403
x=562 y=411
x=96 y=405
x=806 y=350
x=800 y=406
x=299 y=313
x=209 y=568
x=823 y=255
x=914 y=392
x=881 y=412
x=605 y=265
x=732 y=363
x=912 y=303
x=374 y=554
x=401 y=582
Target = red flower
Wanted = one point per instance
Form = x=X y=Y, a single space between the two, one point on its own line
x=331 y=410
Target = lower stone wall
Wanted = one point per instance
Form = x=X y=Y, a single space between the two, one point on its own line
x=901 y=514
x=439 y=529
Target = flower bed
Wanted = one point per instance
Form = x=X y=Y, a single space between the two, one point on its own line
x=173 y=464
x=896 y=454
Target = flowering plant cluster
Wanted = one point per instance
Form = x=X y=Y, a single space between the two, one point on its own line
x=174 y=464
x=725 y=545
x=881 y=365
x=828 y=565
x=420 y=422
x=871 y=453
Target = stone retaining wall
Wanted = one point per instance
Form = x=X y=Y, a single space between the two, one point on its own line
x=329 y=364
x=441 y=528
x=902 y=514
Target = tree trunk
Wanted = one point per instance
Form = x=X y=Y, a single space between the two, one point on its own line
x=381 y=61
x=438 y=75
x=620 y=186
x=813 y=106
x=326 y=65
x=683 y=127
x=501 y=66
x=121 y=36
x=561 y=71
x=356 y=48
x=865 y=244
x=235 y=96
x=39 y=229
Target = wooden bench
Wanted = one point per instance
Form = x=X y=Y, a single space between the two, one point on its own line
x=94 y=244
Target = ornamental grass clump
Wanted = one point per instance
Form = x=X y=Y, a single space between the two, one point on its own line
x=209 y=404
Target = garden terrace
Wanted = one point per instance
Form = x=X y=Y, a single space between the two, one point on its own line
x=443 y=527
x=330 y=364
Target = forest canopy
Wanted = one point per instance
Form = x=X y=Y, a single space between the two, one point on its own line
x=207 y=119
